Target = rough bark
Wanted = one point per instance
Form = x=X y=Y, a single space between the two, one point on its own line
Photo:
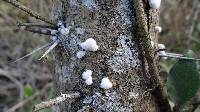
x=112 y=23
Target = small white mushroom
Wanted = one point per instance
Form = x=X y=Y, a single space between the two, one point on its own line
x=158 y=29
x=161 y=46
x=87 y=74
x=106 y=83
x=89 y=81
x=154 y=4
x=162 y=53
x=80 y=54
x=90 y=45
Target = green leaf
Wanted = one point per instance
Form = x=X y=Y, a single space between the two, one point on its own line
x=183 y=81
x=28 y=90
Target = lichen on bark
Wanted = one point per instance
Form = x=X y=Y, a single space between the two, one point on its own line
x=111 y=24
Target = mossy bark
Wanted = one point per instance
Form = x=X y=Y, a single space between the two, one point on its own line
x=112 y=23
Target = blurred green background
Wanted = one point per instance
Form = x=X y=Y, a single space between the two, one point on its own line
x=29 y=81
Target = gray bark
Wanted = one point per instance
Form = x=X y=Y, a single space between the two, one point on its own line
x=112 y=24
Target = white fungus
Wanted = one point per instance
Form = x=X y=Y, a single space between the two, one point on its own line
x=154 y=4
x=162 y=53
x=158 y=29
x=80 y=54
x=89 y=81
x=161 y=46
x=90 y=45
x=105 y=83
x=87 y=74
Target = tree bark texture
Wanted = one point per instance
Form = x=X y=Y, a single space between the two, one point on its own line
x=112 y=23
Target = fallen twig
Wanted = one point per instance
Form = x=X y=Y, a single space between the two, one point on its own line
x=54 y=101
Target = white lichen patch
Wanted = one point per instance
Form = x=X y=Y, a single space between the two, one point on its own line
x=110 y=103
x=106 y=83
x=53 y=38
x=64 y=31
x=80 y=54
x=124 y=12
x=125 y=57
x=80 y=31
x=133 y=95
x=90 y=45
x=90 y=4
x=154 y=4
x=73 y=2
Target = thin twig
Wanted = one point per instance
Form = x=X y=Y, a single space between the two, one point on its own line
x=38 y=30
x=29 y=11
x=178 y=57
x=50 y=48
x=34 y=51
x=175 y=54
x=36 y=25
x=57 y=100
x=24 y=102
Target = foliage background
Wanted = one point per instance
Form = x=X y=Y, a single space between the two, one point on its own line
x=26 y=79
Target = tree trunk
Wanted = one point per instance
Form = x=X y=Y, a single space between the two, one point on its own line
x=113 y=24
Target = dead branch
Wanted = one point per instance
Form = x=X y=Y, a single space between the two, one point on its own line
x=29 y=11
x=37 y=30
x=36 y=25
x=55 y=101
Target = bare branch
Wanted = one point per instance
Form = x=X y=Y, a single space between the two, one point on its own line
x=55 y=101
x=29 y=11
x=36 y=25
x=38 y=30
